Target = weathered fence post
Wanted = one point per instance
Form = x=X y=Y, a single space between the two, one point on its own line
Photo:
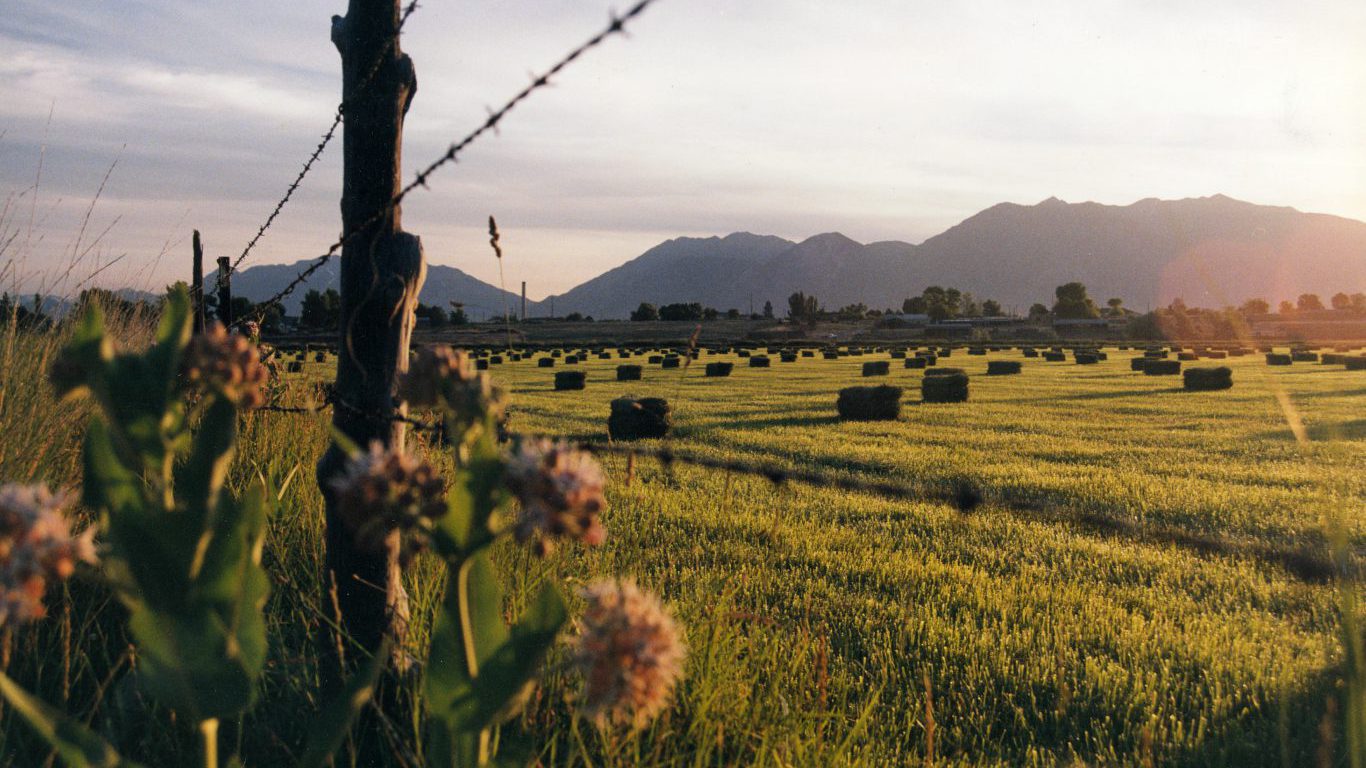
x=224 y=290
x=197 y=285
x=382 y=270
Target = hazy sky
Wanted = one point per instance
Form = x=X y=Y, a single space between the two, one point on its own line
x=883 y=120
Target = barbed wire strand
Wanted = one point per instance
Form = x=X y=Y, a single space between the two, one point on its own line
x=617 y=26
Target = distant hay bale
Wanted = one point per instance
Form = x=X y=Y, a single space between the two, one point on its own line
x=629 y=372
x=1332 y=358
x=1215 y=354
x=1304 y=357
x=881 y=403
x=1207 y=379
x=1357 y=363
x=743 y=353
x=570 y=380
x=320 y=357
x=1137 y=363
x=719 y=369
x=930 y=358
x=1086 y=358
x=1276 y=358
x=673 y=361
x=976 y=351
x=545 y=362
x=295 y=367
x=655 y=359
x=1187 y=356
x=898 y=354
x=639 y=419
x=1055 y=357
x=915 y=362
x=788 y=357
x=876 y=368
x=1004 y=367
x=944 y=385
x=830 y=354
x=759 y=361
x=1162 y=367
x=808 y=353
x=481 y=364
x=1029 y=352
x=571 y=359
x=495 y=360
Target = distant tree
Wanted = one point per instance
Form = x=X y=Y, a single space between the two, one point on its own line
x=968 y=306
x=645 y=313
x=1255 y=307
x=457 y=314
x=991 y=308
x=574 y=317
x=1038 y=310
x=321 y=310
x=732 y=314
x=1359 y=302
x=710 y=314
x=1309 y=302
x=1341 y=301
x=1116 y=306
x=1285 y=308
x=953 y=299
x=1073 y=303
x=436 y=316
x=768 y=310
x=802 y=308
x=852 y=312
x=937 y=305
x=680 y=311
x=913 y=306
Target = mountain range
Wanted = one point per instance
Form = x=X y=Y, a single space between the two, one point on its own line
x=1209 y=251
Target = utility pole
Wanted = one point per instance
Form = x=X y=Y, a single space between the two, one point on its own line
x=382 y=270
x=523 y=301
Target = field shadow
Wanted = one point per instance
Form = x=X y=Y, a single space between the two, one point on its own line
x=1345 y=430
x=1098 y=395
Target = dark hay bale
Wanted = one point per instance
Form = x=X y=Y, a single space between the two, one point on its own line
x=629 y=372
x=1156 y=354
x=759 y=361
x=295 y=367
x=571 y=359
x=1086 y=358
x=481 y=364
x=1187 y=356
x=495 y=360
x=570 y=380
x=743 y=353
x=639 y=419
x=915 y=362
x=1275 y=358
x=1357 y=363
x=881 y=403
x=1305 y=357
x=876 y=368
x=671 y=362
x=808 y=353
x=719 y=369
x=1207 y=379
x=1162 y=367
x=654 y=359
x=788 y=357
x=1004 y=367
x=944 y=385
x=556 y=353
x=976 y=351
x=1332 y=358
x=545 y=362
x=320 y=357
x=1214 y=354
x=1055 y=357
x=898 y=354
x=1137 y=363
x=930 y=359
x=830 y=355
x=1029 y=352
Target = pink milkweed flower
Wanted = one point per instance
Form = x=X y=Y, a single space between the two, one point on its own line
x=228 y=362
x=36 y=546
x=385 y=489
x=561 y=494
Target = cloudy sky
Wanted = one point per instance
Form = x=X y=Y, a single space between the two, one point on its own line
x=881 y=119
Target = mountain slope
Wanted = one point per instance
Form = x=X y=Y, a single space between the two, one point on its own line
x=443 y=285
x=1209 y=251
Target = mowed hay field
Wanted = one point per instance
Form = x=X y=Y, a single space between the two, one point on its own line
x=843 y=628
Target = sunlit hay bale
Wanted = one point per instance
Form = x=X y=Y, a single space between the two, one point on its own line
x=1187 y=356
x=742 y=353
x=915 y=362
x=571 y=379
x=759 y=361
x=672 y=361
x=546 y=362
x=481 y=364
x=1162 y=367
x=719 y=369
x=881 y=403
x=639 y=419
x=944 y=385
x=1357 y=363
x=977 y=351
x=1004 y=367
x=1086 y=358
x=1055 y=357
x=788 y=357
x=1206 y=379
x=1305 y=357
x=1277 y=358
x=1029 y=352
x=629 y=372
x=877 y=368
x=655 y=359
x=295 y=366
x=830 y=354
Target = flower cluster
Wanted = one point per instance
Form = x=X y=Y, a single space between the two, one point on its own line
x=630 y=653
x=386 y=489
x=441 y=376
x=228 y=362
x=36 y=546
x=252 y=330
x=561 y=494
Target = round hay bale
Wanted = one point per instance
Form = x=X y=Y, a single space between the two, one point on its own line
x=1162 y=367
x=1276 y=358
x=915 y=362
x=876 y=368
x=639 y=418
x=1208 y=379
x=808 y=353
x=570 y=380
x=717 y=370
x=898 y=354
x=881 y=403
x=759 y=361
x=944 y=385
x=629 y=372
x=1004 y=367
x=930 y=358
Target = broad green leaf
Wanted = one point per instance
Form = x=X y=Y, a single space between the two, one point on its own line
x=199 y=479
x=191 y=663
x=173 y=334
x=334 y=721
x=78 y=746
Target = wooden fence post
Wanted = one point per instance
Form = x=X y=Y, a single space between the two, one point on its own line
x=224 y=290
x=197 y=285
x=382 y=270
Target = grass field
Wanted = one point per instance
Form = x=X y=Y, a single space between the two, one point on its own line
x=832 y=628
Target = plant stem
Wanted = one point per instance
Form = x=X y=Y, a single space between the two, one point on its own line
x=208 y=729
